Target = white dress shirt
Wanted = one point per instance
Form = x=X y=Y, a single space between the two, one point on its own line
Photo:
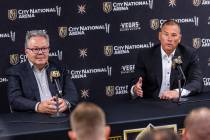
x=166 y=72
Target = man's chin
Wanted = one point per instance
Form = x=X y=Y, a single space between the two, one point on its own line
x=41 y=62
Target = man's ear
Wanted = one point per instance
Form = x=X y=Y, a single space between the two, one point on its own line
x=159 y=35
x=180 y=38
x=185 y=135
x=25 y=51
x=107 y=132
x=72 y=135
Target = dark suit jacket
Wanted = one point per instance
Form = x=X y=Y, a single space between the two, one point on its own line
x=149 y=67
x=23 y=91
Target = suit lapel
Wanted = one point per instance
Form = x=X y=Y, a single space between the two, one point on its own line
x=158 y=65
x=174 y=74
x=32 y=80
x=50 y=82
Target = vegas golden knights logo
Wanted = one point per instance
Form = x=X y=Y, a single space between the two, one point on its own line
x=154 y=24
x=12 y=14
x=196 y=43
x=14 y=59
x=109 y=90
x=62 y=31
x=197 y=2
x=107 y=7
x=108 y=50
x=55 y=74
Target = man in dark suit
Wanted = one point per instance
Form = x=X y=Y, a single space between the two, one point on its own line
x=155 y=76
x=31 y=86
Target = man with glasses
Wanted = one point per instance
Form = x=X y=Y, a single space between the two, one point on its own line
x=30 y=84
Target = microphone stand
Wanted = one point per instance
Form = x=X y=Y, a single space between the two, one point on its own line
x=180 y=99
x=59 y=94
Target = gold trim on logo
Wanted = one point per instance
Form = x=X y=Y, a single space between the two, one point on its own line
x=108 y=50
x=14 y=59
x=107 y=7
x=62 y=31
x=154 y=24
x=110 y=90
x=12 y=14
x=197 y=43
x=197 y=2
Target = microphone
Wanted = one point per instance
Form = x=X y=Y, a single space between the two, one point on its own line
x=54 y=75
x=176 y=64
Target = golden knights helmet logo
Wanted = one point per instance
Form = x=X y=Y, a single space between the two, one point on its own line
x=62 y=31
x=108 y=50
x=12 y=14
x=109 y=90
x=154 y=24
x=14 y=59
x=55 y=74
x=197 y=2
x=197 y=43
x=107 y=7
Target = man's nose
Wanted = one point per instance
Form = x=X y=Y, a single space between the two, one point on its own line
x=169 y=38
x=40 y=51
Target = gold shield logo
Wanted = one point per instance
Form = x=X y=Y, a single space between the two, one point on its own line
x=197 y=2
x=62 y=31
x=12 y=14
x=108 y=50
x=196 y=43
x=154 y=24
x=55 y=74
x=109 y=90
x=107 y=7
x=14 y=59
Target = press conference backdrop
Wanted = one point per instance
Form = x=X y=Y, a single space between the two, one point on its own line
x=99 y=40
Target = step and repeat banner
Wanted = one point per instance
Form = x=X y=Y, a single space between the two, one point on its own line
x=98 y=40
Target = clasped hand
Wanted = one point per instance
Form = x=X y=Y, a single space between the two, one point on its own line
x=50 y=106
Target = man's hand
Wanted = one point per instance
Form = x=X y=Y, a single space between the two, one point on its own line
x=62 y=105
x=48 y=106
x=138 y=88
x=169 y=95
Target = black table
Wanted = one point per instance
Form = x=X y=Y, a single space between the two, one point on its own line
x=126 y=114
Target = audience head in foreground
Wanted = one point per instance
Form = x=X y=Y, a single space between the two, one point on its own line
x=159 y=134
x=88 y=123
x=197 y=125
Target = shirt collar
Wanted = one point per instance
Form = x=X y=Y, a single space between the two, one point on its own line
x=35 y=68
x=164 y=55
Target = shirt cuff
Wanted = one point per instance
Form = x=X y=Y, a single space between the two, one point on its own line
x=184 y=92
x=36 y=106
x=132 y=92
x=133 y=95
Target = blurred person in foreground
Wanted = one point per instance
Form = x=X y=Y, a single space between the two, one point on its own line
x=197 y=125
x=159 y=134
x=88 y=123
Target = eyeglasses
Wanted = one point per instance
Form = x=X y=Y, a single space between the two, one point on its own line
x=37 y=50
